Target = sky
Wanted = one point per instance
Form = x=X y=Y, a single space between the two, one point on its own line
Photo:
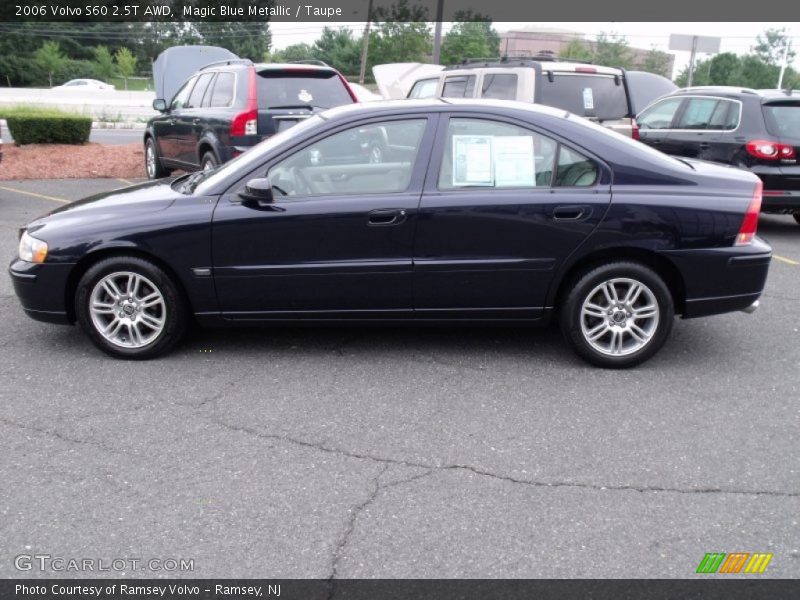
x=736 y=37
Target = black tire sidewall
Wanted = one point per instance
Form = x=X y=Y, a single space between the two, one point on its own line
x=209 y=157
x=797 y=217
x=176 y=314
x=586 y=282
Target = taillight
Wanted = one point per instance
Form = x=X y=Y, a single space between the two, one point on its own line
x=634 y=129
x=750 y=223
x=246 y=122
x=767 y=150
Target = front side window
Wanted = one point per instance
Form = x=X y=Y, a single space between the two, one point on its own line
x=480 y=153
x=367 y=159
x=499 y=86
x=459 y=86
x=659 y=115
x=182 y=97
x=424 y=88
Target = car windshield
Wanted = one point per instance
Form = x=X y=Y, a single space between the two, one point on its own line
x=282 y=88
x=587 y=95
x=248 y=160
x=783 y=119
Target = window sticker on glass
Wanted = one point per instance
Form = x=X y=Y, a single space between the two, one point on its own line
x=472 y=160
x=514 y=164
x=588 y=99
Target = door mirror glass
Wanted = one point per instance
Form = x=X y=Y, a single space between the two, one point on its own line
x=257 y=190
x=160 y=105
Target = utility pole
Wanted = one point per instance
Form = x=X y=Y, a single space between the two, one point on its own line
x=437 y=32
x=365 y=45
x=783 y=64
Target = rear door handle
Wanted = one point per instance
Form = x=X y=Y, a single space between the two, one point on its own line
x=571 y=213
x=386 y=216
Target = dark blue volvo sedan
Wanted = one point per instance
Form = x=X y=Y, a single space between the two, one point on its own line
x=493 y=212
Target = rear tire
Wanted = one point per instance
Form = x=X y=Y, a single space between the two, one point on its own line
x=797 y=217
x=617 y=315
x=130 y=308
x=152 y=161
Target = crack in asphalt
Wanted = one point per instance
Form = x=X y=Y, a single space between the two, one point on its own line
x=484 y=473
x=64 y=438
x=356 y=511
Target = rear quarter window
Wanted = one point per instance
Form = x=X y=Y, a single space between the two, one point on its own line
x=587 y=95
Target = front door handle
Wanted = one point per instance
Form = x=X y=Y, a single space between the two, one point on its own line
x=704 y=145
x=173 y=121
x=196 y=121
x=386 y=216
x=571 y=213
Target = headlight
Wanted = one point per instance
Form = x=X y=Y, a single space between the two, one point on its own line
x=31 y=249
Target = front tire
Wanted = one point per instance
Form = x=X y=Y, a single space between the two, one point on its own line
x=152 y=161
x=130 y=308
x=617 y=315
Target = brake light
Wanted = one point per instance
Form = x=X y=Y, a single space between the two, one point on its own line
x=750 y=223
x=585 y=70
x=246 y=122
x=767 y=150
x=634 y=129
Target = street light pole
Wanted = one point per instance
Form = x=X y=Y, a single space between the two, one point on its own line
x=691 y=61
x=437 y=33
x=783 y=63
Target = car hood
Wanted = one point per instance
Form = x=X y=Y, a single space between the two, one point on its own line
x=144 y=197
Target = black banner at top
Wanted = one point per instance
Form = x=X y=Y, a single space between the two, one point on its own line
x=334 y=11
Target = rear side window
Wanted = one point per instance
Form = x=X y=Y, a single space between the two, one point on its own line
x=659 y=115
x=424 y=88
x=459 y=86
x=500 y=86
x=481 y=153
x=222 y=94
x=698 y=113
x=301 y=88
x=783 y=119
x=574 y=169
x=196 y=98
x=586 y=95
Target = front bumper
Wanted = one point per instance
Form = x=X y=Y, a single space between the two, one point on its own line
x=42 y=290
x=721 y=280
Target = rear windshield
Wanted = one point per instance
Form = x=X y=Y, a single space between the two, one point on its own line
x=598 y=96
x=783 y=120
x=323 y=89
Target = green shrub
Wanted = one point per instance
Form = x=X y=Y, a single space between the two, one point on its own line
x=43 y=126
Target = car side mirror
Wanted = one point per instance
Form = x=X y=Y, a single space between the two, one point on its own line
x=160 y=105
x=258 y=191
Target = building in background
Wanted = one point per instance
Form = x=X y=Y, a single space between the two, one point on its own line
x=530 y=41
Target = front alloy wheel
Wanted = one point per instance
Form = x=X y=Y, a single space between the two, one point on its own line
x=130 y=308
x=617 y=314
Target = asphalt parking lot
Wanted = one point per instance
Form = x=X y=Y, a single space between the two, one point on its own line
x=401 y=452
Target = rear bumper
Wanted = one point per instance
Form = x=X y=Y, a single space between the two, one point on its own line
x=41 y=290
x=721 y=280
x=775 y=201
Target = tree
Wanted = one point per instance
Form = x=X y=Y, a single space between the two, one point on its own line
x=104 y=63
x=300 y=51
x=771 y=45
x=656 y=62
x=725 y=69
x=340 y=49
x=50 y=58
x=401 y=34
x=577 y=50
x=126 y=64
x=612 y=50
x=472 y=36
x=247 y=39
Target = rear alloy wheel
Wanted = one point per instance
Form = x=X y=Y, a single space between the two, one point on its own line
x=130 y=308
x=375 y=154
x=209 y=161
x=797 y=218
x=152 y=161
x=618 y=314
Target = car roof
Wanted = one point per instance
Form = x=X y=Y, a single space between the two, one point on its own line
x=547 y=63
x=730 y=91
